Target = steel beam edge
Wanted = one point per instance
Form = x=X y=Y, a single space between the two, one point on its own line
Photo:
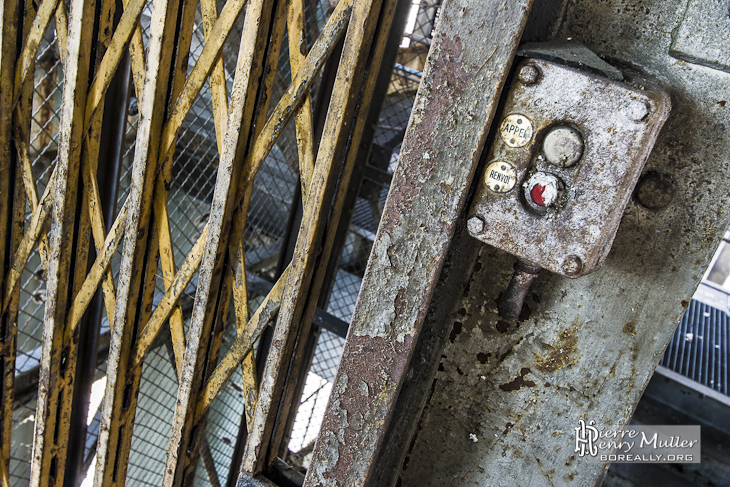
x=454 y=108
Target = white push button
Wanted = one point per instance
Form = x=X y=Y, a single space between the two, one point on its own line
x=563 y=146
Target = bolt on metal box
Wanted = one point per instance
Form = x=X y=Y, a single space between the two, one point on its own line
x=568 y=150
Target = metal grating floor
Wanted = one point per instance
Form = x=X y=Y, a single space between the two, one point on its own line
x=700 y=347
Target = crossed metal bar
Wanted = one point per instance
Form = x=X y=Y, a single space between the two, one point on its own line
x=72 y=204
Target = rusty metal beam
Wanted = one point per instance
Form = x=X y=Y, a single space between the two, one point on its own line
x=11 y=221
x=454 y=108
x=360 y=167
x=301 y=289
x=68 y=250
x=444 y=312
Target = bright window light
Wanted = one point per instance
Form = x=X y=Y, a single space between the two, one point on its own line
x=97 y=393
x=410 y=24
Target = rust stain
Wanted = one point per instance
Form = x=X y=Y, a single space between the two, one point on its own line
x=630 y=328
x=388 y=359
x=518 y=382
x=612 y=372
x=449 y=78
x=401 y=302
x=561 y=353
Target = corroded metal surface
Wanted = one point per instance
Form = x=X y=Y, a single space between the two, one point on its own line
x=12 y=209
x=67 y=254
x=166 y=90
x=585 y=348
x=456 y=100
x=584 y=176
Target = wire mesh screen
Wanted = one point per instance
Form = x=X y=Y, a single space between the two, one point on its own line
x=194 y=168
x=22 y=443
x=381 y=163
x=45 y=119
x=195 y=163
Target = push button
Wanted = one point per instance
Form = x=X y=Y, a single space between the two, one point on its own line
x=563 y=146
x=500 y=177
x=516 y=130
x=541 y=191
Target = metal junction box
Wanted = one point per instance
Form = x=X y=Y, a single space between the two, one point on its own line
x=560 y=171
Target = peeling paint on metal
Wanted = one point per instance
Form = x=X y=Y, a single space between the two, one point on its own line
x=619 y=318
x=457 y=97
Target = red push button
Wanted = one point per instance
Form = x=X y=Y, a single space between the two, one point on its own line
x=537 y=192
x=541 y=191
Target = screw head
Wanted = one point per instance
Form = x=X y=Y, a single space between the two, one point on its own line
x=637 y=110
x=475 y=225
x=572 y=265
x=529 y=74
x=655 y=190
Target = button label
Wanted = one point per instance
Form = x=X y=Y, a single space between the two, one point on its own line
x=500 y=177
x=516 y=130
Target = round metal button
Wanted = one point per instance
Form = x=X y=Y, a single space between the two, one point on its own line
x=541 y=191
x=516 y=130
x=563 y=146
x=500 y=177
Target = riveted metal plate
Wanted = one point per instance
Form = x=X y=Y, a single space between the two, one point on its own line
x=581 y=224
